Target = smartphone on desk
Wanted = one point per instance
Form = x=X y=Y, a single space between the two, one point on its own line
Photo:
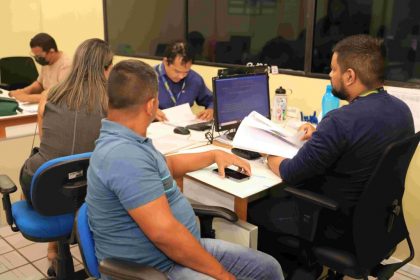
x=233 y=174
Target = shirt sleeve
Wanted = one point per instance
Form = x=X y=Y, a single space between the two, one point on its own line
x=326 y=145
x=205 y=96
x=134 y=178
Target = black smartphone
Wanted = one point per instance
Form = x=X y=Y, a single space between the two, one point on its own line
x=233 y=174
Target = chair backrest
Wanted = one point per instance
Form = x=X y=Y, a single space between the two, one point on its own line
x=59 y=185
x=86 y=243
x=17 y=72
x=375 y=230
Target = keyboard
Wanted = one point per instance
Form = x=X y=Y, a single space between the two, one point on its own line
x=245 y=153
x=200 y=126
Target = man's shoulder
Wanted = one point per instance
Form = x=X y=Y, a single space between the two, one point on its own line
x=194 y=75
x=64 y=61
x=111 y=147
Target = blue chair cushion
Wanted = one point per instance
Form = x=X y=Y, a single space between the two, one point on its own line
x=37 y=226
x=86 y=242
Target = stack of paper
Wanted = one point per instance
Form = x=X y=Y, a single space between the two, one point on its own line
x=259 y=134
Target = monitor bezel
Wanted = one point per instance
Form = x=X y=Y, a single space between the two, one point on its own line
x=235 y=125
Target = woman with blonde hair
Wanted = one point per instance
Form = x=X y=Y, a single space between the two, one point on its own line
x=69 y=116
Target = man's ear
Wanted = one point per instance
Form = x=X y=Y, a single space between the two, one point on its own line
x=150 y=105
x=350 y=77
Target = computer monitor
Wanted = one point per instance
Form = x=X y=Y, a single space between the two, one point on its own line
x=237 y=96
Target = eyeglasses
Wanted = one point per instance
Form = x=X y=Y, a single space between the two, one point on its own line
x=38 y=56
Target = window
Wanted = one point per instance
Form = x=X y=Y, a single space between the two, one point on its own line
x=222 y=31
x=241 y=31
x=397 y=22
x=142 y=28
x=273 y=32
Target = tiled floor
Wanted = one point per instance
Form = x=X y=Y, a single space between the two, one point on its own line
x=21 y=259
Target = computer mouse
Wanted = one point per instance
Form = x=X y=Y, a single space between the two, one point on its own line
x=181 y=130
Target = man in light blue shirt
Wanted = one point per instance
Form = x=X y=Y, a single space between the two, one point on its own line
x=135 y=208
x=178 y=84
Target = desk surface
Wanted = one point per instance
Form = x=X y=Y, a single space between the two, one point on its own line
x=167 y=142
x=28 y=116
x=262 y=177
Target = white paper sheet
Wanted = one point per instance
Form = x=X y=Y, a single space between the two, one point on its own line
x=180 y=115
x=263 y=136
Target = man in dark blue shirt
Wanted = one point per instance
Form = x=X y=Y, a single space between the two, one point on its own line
x=178 y=84
x=343 y=151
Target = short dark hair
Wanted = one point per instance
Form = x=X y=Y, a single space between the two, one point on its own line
x=182 y=49
x=131 y=83
x=365 y=55
x=44 y=41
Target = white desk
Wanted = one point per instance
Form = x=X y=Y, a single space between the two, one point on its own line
x=25 y=121
x=209 y=188
x=167 y=142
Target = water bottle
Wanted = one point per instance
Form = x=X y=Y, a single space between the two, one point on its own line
x=329 y=101
x=280 y=105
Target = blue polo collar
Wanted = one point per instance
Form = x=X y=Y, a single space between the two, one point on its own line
x=123 y=131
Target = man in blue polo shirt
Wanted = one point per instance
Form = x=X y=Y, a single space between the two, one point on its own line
x=178 y=84
x=135 y=208
x=342 y=152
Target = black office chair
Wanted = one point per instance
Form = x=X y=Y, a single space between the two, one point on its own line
x=378 y=220
x=58 y=188
x=17 y=72
x=124 y=270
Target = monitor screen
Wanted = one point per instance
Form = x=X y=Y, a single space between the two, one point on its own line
x=237 y=96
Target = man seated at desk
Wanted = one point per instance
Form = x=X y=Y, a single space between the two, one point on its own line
x=135 y=208
x=178 y=84
x=341 y=154
x=55 y=67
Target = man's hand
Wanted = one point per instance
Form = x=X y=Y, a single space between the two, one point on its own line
x=274 y=163
x=225 y=275
x=16 y=93
x=206 y=115
x=223 y=160
x=160 y=116
x=308 y=129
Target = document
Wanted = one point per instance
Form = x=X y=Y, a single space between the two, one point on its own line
x=169 y=144
x=259 y=134
x=181 y=115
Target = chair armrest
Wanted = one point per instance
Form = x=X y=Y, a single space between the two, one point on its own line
x=125 y=270
x=7 y=186
x=313 y=197
x=215 y=211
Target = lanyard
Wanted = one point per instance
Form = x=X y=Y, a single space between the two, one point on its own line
x=168 y=89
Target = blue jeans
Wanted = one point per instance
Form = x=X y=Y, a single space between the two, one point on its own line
x=243 y=262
